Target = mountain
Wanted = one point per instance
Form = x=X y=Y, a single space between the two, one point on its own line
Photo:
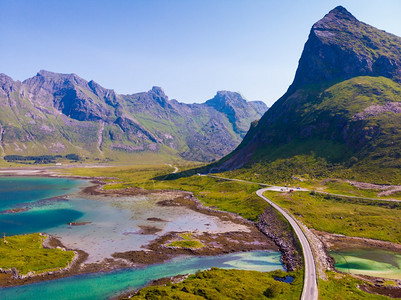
x=239 y=112
x=342 y=109
x=53 y=113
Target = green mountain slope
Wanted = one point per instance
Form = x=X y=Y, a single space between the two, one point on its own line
x=342 y=110
x=53 y=113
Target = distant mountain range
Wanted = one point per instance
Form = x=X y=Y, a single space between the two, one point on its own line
x=53 y=113
x=343 y=107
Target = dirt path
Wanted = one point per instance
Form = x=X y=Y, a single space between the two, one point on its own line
x=175 y=168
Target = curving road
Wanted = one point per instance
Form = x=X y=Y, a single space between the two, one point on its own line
x=175 y=168
x=309 y=291
x=276 y=188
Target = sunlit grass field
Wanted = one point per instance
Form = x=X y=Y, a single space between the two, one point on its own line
x=26 y=253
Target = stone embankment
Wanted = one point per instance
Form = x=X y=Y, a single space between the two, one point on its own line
x=276 y=228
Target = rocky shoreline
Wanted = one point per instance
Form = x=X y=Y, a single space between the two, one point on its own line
x=157 y=251
x=331 y=241
x=270 y=233
x=284 y=237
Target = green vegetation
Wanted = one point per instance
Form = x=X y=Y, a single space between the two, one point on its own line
x=72 y=156
x=26 y=253
x=40 y=159
x=344 y=287
x=348 y=216
x=228 y=284
x=282 y=170
x=148 y=127
x=353 y=96
x=350 y=130
x=365 y=40
x=188 y=242
x=234 y=197
x=344 y=188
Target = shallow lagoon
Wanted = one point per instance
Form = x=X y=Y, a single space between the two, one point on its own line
x=17 y=191
x=114 y=222
x=368 y=261
x=32 y=192
x=114 y=226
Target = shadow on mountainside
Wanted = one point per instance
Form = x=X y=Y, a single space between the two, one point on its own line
x=211 y=168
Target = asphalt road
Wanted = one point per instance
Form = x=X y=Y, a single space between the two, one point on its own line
x=309 y=291
x=294 y=189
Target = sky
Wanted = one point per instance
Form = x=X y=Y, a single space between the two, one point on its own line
x=190 y=48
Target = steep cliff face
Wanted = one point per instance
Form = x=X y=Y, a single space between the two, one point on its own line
x=71 y=95
x=53 y=113
x=343 y=104
x=340 y=47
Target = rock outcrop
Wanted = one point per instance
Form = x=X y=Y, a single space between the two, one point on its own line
x=342 y=105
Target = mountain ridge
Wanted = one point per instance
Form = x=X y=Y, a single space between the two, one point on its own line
x=53 y=113
x=346 y=65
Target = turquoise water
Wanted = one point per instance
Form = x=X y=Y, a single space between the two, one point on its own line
x=113 y=224
x=113 y=227
x=31 y=192
x=105 y=285
x=368 y=261
x=17 y=191
x=36 y=221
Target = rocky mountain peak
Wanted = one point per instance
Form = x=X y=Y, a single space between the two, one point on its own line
x=341 y=56
x=46 y=73
x=158 y=91
x=6 y=83
x=237 y=109
x=58 y=78
x=4 y=79
x=97 y=122
x=334 y=18
x=340 y=47
x=157 y=94
x=227 y=95
x=226 y=98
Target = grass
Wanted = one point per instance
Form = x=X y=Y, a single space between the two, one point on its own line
x=347 y=216
x=228 y=284
x=329 y=133
x=236 y=197
x=187 y=242
x=343 y=287
x=283 y=170
x=344 y=188
x=352 y=217
x=26 y=253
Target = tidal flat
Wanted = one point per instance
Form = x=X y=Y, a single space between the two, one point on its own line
x=117 y=229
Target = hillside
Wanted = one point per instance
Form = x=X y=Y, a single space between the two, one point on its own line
x=57 y=114
x=342 y=110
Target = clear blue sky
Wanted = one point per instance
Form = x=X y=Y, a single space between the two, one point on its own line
x=191 y=48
